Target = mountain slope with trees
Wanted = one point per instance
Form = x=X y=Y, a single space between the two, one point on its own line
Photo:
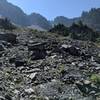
x=91 y=19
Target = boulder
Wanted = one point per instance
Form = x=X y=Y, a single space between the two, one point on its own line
x=32 y=75
x=1 y=47
x=38 y=50
x=39 y=46
x=8 y=37
x=2 y=98
x=12 y=60
x=75 y=51
x=72 y=50
x=6 y=44
x=97 y=59
x=38 y=54
x=19 y=63
x=7 y=97
x=29 y=91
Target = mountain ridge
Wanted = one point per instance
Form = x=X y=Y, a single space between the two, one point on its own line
x=16 y=15
x=90 y=18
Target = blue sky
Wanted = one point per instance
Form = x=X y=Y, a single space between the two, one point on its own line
x=52 y=8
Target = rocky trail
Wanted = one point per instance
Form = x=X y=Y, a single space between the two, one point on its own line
x=43 y=66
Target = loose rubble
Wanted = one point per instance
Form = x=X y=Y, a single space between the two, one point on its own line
x=44 y=66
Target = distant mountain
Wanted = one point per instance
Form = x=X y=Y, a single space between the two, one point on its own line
x=38 y=20
x=64 y=20
x=16 y=15
x=91 y=18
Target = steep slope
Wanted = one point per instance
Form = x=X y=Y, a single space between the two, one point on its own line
x=92 y=18
x=14 y=13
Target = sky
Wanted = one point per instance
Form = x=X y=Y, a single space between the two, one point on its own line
x=52 y=8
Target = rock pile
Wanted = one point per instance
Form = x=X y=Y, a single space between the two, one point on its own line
x=50 y=68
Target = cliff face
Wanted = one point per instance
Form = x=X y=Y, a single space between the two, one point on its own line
x=14 y=13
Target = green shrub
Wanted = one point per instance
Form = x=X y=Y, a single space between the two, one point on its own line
x=82 y=32
x=95 y=78
x=60 y=29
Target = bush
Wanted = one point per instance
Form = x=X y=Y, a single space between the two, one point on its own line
x=95 y=78
x=82 y=32
x=60 y=29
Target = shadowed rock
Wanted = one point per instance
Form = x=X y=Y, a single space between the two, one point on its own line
x=8 y=37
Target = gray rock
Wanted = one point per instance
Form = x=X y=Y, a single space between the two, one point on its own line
x=19 y=63
x=1 y=47
x=2 y=98
x=35 y=46
x=29 y=91
x=8 y=37
x=72 y=50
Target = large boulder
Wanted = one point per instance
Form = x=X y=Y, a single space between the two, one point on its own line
x=38 y=51
x=72 y=50
x=75 y=51
x=8 y=37
x=38 y=54
x=35 y=46
x=17 y=62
